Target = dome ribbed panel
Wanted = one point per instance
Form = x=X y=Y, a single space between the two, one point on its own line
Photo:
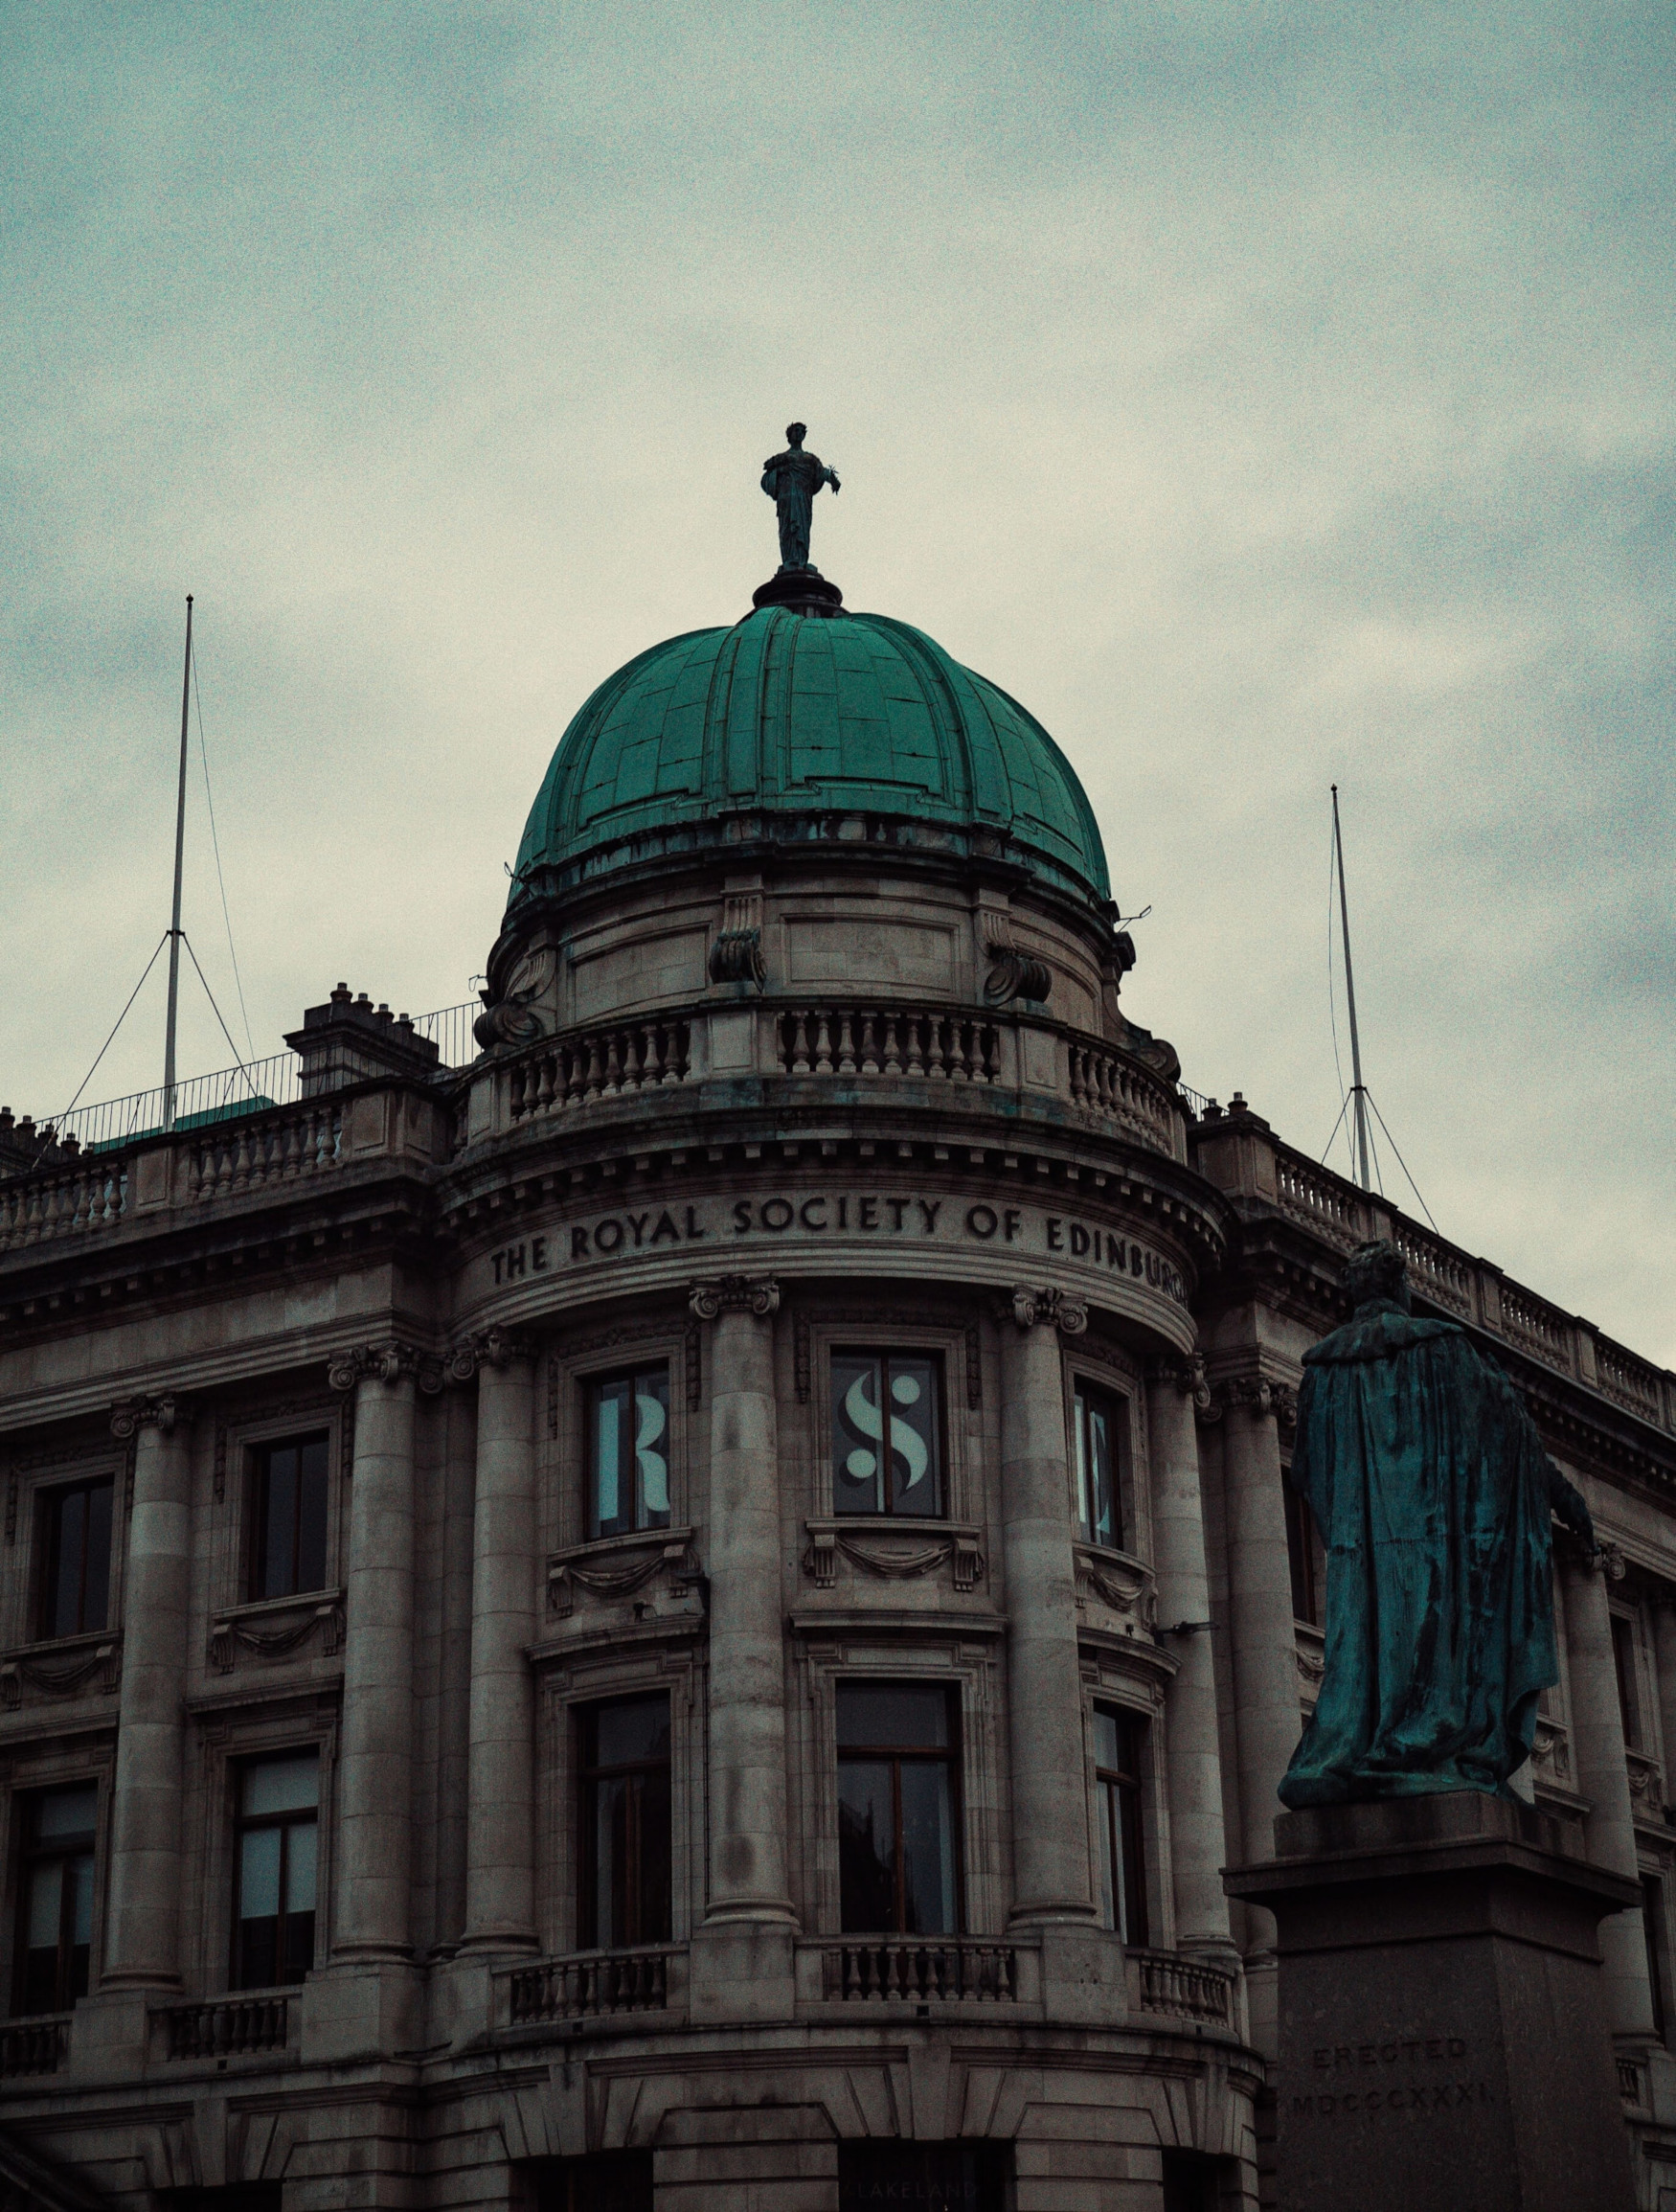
x=785 y=713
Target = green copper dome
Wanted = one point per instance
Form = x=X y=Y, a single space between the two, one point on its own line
x=784 y=726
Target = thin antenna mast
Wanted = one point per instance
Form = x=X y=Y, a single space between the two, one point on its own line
x=1358 y=1090
x=179 y=854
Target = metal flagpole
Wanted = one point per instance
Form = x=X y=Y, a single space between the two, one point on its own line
x=179 y=852
x=1357 y=1090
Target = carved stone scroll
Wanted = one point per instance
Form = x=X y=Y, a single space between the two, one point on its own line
x=758 y=1294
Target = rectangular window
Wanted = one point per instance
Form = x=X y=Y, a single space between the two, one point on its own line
x=1306 y=1558
x=1624 y=1660
x=55 y=1940
x=903 y=1474
x=1653 y=1924
x=273 y=1920
x=628 y=1452
x=898 y=1861
x=625 y=1839
x=288 y=1546
x=1100 y=1429
x=1119 y=1742
x=76 y=1568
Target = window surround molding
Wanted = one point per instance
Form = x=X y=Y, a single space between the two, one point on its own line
x=238 y=1435
x=613 y=1671
x=973 y=1673
x=570 y=1368
x=1090 y=1357
x=890 y=1329
x=30 y=1479
x=224 y=1744
x=1104 y=1684
x=25 y=1775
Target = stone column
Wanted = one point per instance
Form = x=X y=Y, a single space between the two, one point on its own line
x=142 y=1930
x=1262 y=1652
x=747 y=1662
x=743 y=1964
x=500 y=1865
x=1053 y=1878
x=1602 y=1775
x=1664 y=1612
x=1198 y=1839
x=374 y=1777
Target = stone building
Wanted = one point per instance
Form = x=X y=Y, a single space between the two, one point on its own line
x=687 y=1613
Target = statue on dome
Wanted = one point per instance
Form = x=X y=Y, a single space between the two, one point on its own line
x=1435 y=1497
x=791 y=480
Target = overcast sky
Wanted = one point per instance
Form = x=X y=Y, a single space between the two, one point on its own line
x=1267 y=395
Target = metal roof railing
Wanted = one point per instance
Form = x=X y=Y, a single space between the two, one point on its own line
x=231 y=1091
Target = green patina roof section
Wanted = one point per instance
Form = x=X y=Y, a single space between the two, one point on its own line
x=791 y=713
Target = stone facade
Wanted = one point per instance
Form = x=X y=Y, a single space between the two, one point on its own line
x=740 y=1116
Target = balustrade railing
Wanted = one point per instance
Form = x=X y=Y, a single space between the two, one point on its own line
x=1110 y=1086
x=1176 y=1988
x=258 y=1151
x=887 y=1970
x=1313 y=1195
x=591 y=1983
x=1540 y=1328
x=933 y=1044
x=60 y=1201
x=36 y=2046
x=225 y=2026
x=575 y=1070
x=1630 y=1382
x=1436 y=1272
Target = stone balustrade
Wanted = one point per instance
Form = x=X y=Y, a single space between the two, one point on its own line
x=225 y=2026
x=1180 y=1989
x=256 y=1150
x=931 y=1044
x=591 y=1984
x=61 y=1202
x=34 y=2046
x=908 y=1970
x=598 y=1063
x=1111 y=1086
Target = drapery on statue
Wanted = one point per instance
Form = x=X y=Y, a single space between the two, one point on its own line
x=1433 y=1493
x=791 y=479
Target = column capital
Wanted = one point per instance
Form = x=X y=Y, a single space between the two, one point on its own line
x=758 y=1294
x=496 y=1347
x=1262 y=1395
x=165 y=1414
x=1054 y=1309
x=1606 y=1559
x=388 y=1361
x=1187 y=1375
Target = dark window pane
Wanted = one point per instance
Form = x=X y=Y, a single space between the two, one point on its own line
x=1304 y=1558
x=1653 y=1926
x=928 y=1848
x=1098 y=1419
x=275 y=1578
x=96 y=1581
x=1624 y=1660
x=873 y=1715
x=654 y=1886
x=607 y=2182
x=866 y=1845
x=312 y=1463
x=628 y=1734
x=1120 y=1750
x=61 y=1816
x=911 y=1388
x=289 y=1785
x=64 y=1608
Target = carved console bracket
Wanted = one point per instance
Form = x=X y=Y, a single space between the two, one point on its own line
x=1014 y=975
x=232 y=1632
x=893 y=1558
x=515 y=979
x=758 y=1294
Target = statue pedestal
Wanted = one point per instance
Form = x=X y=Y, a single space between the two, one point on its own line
x=1443 y=2040
x=805 y=590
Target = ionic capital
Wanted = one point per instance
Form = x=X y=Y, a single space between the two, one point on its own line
x=494 y=1347
x=1262 y=1395
x=130 y=1415
x=1186 y=1374
x=1053 y=1309
x=758 y=1294
x=389 y=1361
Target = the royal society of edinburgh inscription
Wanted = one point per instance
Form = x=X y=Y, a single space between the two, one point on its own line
x=862 y=1222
